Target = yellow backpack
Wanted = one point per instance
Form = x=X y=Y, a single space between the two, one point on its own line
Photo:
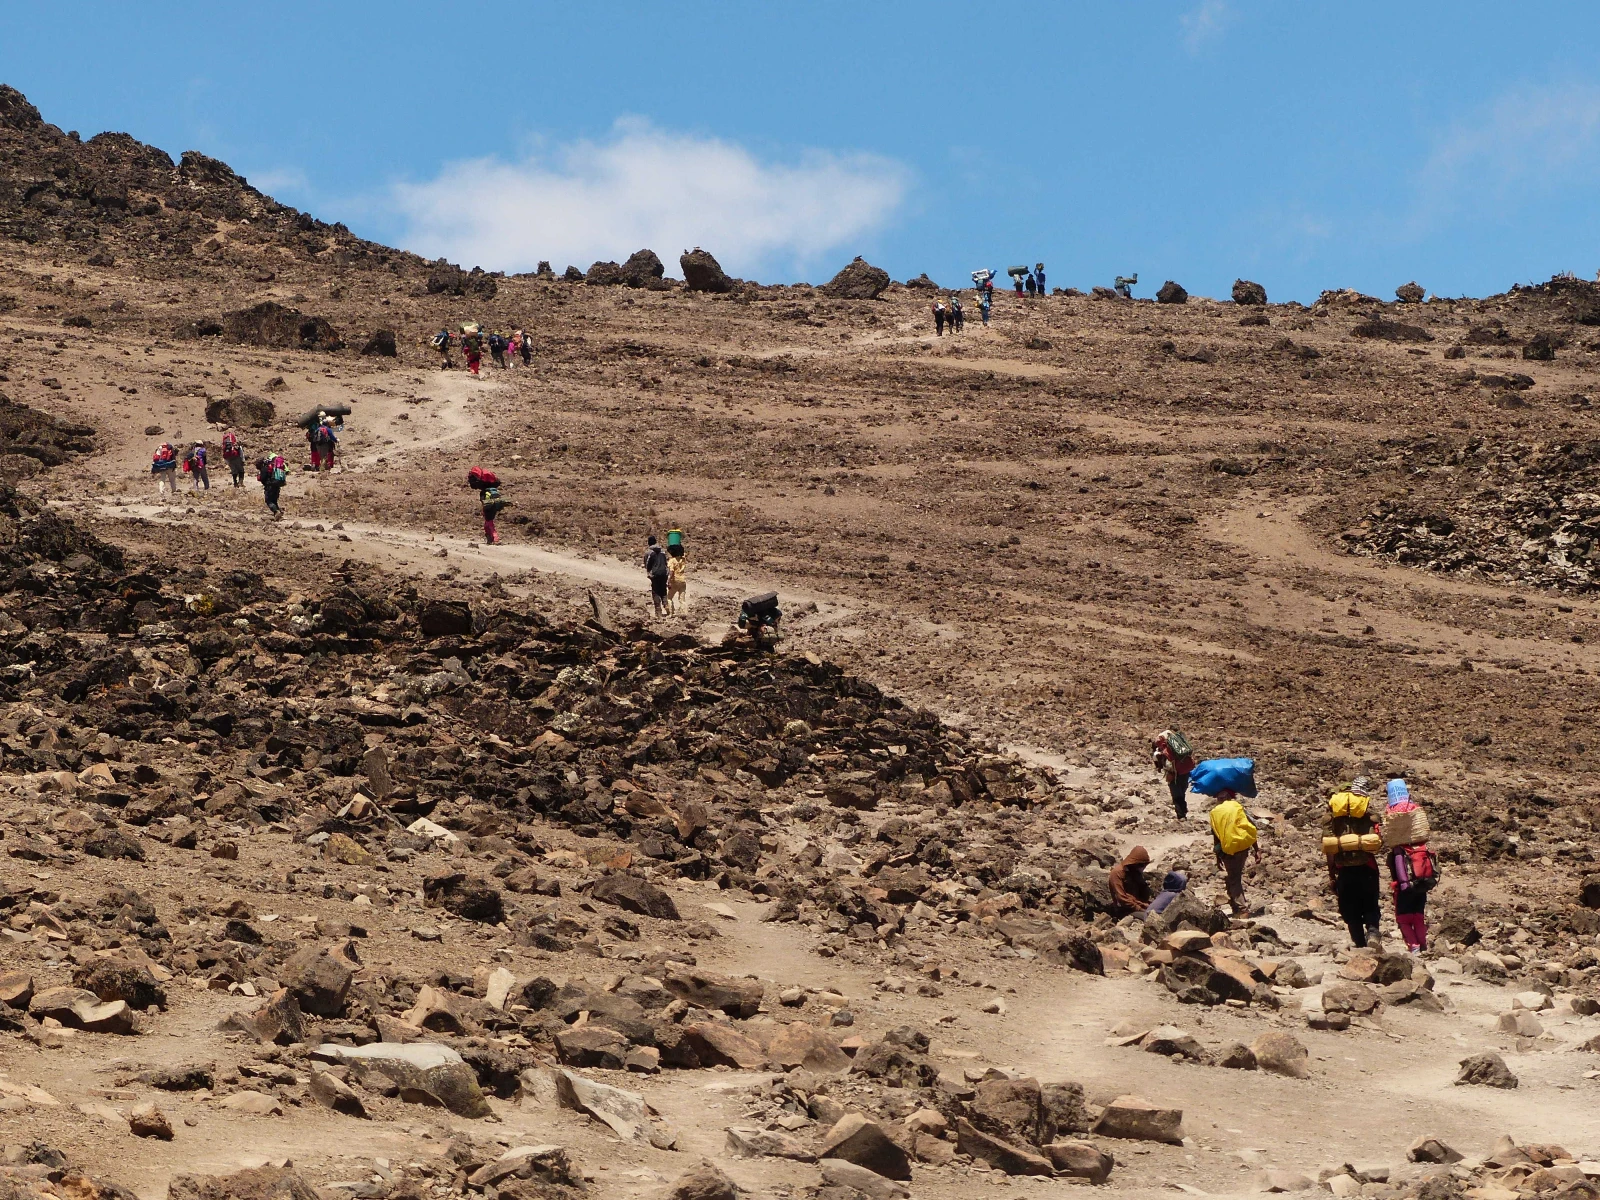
x=1348 y=807
x=1232 y=827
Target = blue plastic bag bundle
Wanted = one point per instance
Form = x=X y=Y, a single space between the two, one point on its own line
x=1216 y=775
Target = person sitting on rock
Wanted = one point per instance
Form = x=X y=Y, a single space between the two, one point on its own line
x=1173 y=884
x=1130 y=890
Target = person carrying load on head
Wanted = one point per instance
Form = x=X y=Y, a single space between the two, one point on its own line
x=675 y=547
x=1413 y=868
x=472 y=346
x=1174 y=758
x=1351 y=840
x=1233 y=833
x=323 y=440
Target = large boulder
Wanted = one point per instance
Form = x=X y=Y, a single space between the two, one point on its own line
x=1187 y=911
x=704 y=1182
x=381 y=344
x=1080 y=1160
x=702 y=272
x=1282 y=1054
x=643 y=269
x=1410 y=293
x=1172 y=293
x=1486 y=1070
x=425 y=1072
x=603 y=274
x=279 y=327
x=858 y=281
x=706 y=989
x=856 y=1139
x=635 y=895
x=1136 y=1118
x=1010 y=1109
x=447 y=279
x=121 y=979
x=1588 y=893
x=258 y=1183
x=998 y=1153
x=241 y=411
x=318 y=981
x=1246 y=292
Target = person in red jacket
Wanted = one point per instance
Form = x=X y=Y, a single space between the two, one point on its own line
x=1174 y=758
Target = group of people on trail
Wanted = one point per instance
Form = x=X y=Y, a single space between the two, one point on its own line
x=1030 y=283
x=166 y=462
x=1357 y=831
x=272 y=469
x=504 y=349
x=950 y=313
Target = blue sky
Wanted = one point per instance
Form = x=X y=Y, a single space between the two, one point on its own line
x=1305 y=146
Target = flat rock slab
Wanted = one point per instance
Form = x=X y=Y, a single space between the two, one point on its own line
x=426 y=1072
x=1135 y=1118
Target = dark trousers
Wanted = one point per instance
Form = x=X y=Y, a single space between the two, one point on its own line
x=1357 y=889
x=236 y=467
x=1178 y=785
x=271 y=490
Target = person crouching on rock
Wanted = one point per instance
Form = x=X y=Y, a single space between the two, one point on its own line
x=1130 y=890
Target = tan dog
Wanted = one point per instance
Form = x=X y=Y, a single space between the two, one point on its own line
x=677 y=586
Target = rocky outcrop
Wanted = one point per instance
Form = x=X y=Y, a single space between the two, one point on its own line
x=277 y=326
x=702 y=272
x=860 y=280
x=1246 y=292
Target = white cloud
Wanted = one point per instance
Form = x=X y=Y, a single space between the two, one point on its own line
x=1544 y=136
x=286 y=180
x=645 y=186
x=1204 y=23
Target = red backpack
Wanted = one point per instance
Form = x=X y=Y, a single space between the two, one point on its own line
x=480 y=478
x=230 y=445
x=1415 y=867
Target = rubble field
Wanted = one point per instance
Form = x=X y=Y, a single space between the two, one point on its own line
x=346 y=857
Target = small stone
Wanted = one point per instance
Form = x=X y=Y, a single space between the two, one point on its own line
x=343 y=848
x=148 y=1121
x=332 y=1092
x=1520 y=1022
x=838 y=1173
x=1080 y=1160
x=1238 y=1058
x=704 y=1182
x=255 y=1103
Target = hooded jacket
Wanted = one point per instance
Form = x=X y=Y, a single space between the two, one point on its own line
x=1129 y=888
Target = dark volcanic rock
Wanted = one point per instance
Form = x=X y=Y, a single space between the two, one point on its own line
x=1410 y=293
x=702 y=272
x=241 y=411
x=1486 y=1070
x=272 y=324
x=1172 y=293
x=643 y=269
x=1245 y=292
x=603 y=274
x=858 y=281
x=635 y=895
x=450 y=280
x=1541 y=347
x=381 y=344
x=1391 y=331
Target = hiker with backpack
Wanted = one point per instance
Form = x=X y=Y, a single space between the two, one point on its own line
x=497 y=349
x=1351 y=840
x=472 y=346
x=985 y=303
x=525 y=347
x=1174 y=759
x=1413 y=869
x=323 y=440
x=273 y=472
x=938 y=317
x=1233 y=833
x=195 y=463
x=164 y=466
x=441 y=342
x=490 y=502
x=233 y=455
x=655 y=566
